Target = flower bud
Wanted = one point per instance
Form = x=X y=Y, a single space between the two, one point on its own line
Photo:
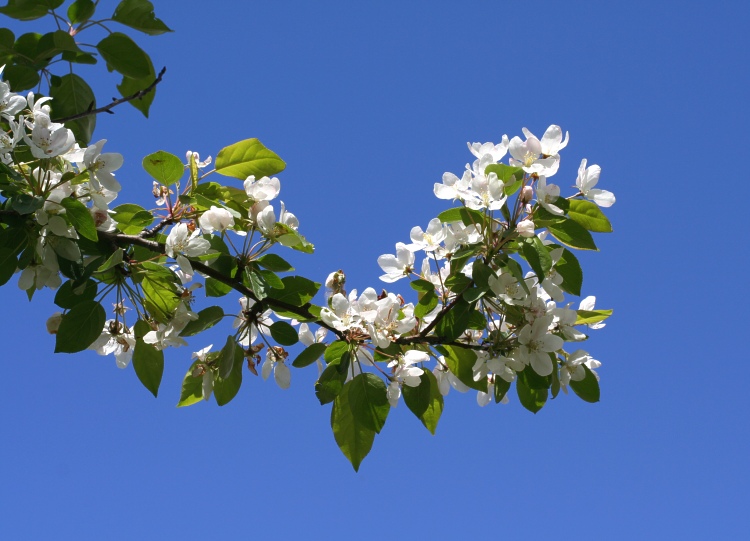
x=53 y=323
x=525 y=228
x=526 y=194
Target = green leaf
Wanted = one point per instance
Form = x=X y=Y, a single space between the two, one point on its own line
x=26 y=204
x=538 y=257
x=587 y=317
x=284 y=333
x=68 y=295
x=587 y=388
x=570 y=271
x=517 y=272
x=270 y=278
x=425 y=400
x=160 y=292
x=589 y=215
x=555 y=386
x=571 y=234
x=124 y=55
x=54 y=43
x=129 y=86
x=7 y=39
x=335 y=351
x=214 y=288
x=423 y=286
x=79 y=58
x=462 y=214
x=166 y=168
x=455 y=321
x=368 y=400
x=531 y=399
x=291 y=238
x=192 y=388
x=80 y=11
x=111 y=262
x=139 y=14
x=248 y=157
x=227 y=356
x=71 y=96
x=309 y=355
x=21 y=77
x=506 y=173
x=274 y=263
x=458 y=281
x=461 y=362
x=80 y=218
x=80 y=327
x=532 y=380
x=331 y=381
x=24 y=10
x=207 y=318
x=481 y=274
x=148 y=361
x=297 y=290
x=227 y=387
x=353 y=438
x=8 y=264
x=501 y=388
x=131 y=218
x=426 y=304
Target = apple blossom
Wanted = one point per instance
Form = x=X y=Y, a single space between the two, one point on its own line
x=216 y=219
x=587 y=179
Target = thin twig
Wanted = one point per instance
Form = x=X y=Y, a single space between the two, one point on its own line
x=115 y=102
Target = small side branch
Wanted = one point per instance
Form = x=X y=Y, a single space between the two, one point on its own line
x=115 y=102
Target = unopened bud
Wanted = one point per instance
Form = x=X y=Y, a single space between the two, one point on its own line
x=53 y=323
x=526 y=194
x=525 y=228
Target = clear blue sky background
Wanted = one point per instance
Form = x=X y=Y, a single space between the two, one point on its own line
x=369 y=103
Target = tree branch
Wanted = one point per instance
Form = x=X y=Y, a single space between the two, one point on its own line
x=115 y=102
x=234 y=283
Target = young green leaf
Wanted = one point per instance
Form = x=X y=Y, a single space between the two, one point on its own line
x=79 y=328
x=353 y=438
x=166 y=168
x=587 y=388
x=461 y=362
x=80 y=218
x=368 y=400
x=123 y=55
x=571 y=234
x=589 y=215
x=226 y=386
x=148 y=362
x=570 y=271
x=284 y=333
x=139 y=15
x=207 y=318
x=309 y=355
x=425 y=400
x=69 y=295
x=248 y=157
x=531 y=399
x=192 y=388
x=274 y=263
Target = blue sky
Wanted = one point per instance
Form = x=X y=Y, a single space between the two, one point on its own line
x=369 y=103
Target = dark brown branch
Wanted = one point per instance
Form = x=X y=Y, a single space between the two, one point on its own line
x=234 y=283
x=115 y=102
